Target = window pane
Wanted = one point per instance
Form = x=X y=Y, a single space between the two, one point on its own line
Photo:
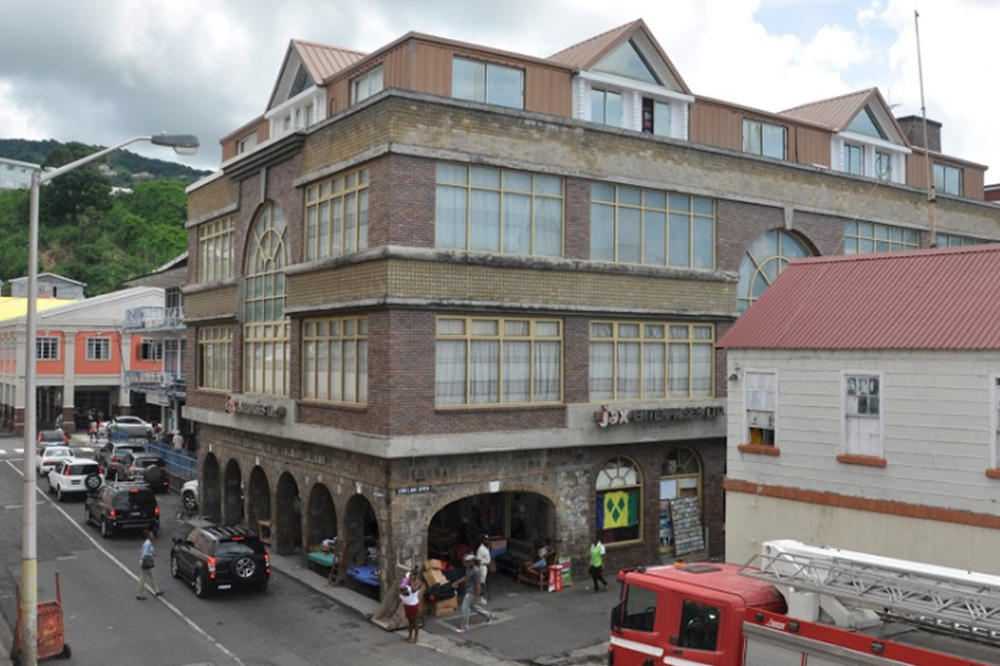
x=653 y=370
x=548 y=227
x=504 y=86
x=486 y=178
x=485 y=221
x=661 y=119
x=517 y=181
x=627 y=366
x=548 y=371
x=547 y=328
x=601 y=370
x=640 y=609
x=597 y=114
x=602 y=232
x=654 y=199
x=516 y=371
x=680 y=240
x=701 y=371
x=452 y=173
x=629 y=235
x=602 y=192
x=704 y=242
x=484 y=372
x=773 y=141
x=614 y=110
x=550 y=185
x=629 y=196
x=517 y=223
x=450 y=212
x=677 y=370
x=699 y=627
x=654 y=243
x=468 y=80
x=450 y=372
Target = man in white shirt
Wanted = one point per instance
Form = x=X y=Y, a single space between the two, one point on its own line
x=483 y=557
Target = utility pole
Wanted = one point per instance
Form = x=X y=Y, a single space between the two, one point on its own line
x=931 y=196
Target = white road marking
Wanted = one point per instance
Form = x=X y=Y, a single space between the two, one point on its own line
x=176 y=611
x=3 y=452
x=18 y=450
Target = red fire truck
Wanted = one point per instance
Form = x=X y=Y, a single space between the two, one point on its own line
x=801 y=605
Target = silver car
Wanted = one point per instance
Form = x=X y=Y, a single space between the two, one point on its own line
x=130 y=426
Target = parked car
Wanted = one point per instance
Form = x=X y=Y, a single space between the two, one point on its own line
x=110 y=455
x=131 y=426
x=117 y=506
x=220 y=558
x=189 y=495
x=77 y=475
x=147 y=467
x=49 y=437
x=50 y=457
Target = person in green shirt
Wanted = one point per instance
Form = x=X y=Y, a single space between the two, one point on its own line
x=597 y=563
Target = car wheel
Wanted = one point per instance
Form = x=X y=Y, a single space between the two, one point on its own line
x=201 y=589
x=243 y=568
x=190 y=501
x=175 y=570
x=105 y=529
x=48 y=480
x=262 y=585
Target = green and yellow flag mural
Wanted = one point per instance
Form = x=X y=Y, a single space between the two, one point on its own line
x=621 y=509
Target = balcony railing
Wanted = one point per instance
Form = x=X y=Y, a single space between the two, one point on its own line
x=171 y=383
x=154 y=319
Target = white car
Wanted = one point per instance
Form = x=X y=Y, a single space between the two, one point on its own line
x=51 y=457
x=77 y=475
x=189 y=495
x=131 y=426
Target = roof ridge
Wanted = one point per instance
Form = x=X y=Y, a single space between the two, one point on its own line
x=309 y=42
x=831 y=99
x=906 y=254
x=595 y=37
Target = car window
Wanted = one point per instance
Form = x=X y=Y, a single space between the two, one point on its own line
x=56 y=452
x=132 y=501
x=247 y=547
x=80 y=469
x=640 y=609
x=699 y=626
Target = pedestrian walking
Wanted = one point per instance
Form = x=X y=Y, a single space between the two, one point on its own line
x=409 y=594
x=484 y=559
x=147 y=565
x=472 y=588
x=92 y=431
x=597 y=563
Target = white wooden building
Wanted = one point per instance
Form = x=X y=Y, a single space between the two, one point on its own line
x=863 y=408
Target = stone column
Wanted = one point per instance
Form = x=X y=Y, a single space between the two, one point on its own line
x=69 y=382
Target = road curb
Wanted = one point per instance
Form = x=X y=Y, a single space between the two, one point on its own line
x=6 y=641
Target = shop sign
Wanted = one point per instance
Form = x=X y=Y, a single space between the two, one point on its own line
x=413 y=490
x=244 y=405
x=608 y=417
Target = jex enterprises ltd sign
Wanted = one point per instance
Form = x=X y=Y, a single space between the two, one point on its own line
x=605 y=417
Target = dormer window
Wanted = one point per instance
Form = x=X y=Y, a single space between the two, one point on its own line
x=367 y=85
x=864 y=123
x=883 y=165
x=246 y=143
x=854 y=159
x=948 y=179
x=301 y=82
x=606 y=107
x=766 y=139
x=488 y=83
x=626 y=61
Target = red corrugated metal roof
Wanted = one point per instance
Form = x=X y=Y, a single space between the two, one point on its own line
x=925 y=299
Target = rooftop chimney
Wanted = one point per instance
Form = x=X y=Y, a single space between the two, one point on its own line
x=913 y=128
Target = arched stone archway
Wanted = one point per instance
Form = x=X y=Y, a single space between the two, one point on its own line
x=361 y=531
x=258 y=498
x=288 y=516
x=232 y=494
x=321 y=515
x=211 y=501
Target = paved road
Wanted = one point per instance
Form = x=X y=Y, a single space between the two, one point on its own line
x=289 y=625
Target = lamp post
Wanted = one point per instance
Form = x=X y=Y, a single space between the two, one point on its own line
x=183 y=144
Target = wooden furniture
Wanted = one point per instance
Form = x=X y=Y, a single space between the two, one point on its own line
x=511 y=562
x=537 y=577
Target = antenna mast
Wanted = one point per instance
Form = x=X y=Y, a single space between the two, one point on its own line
x=931 y=196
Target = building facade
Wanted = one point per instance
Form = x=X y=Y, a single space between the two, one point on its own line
x=442 y=285
x=15 y=174
x=870 y=427
x=159 y=393
x=81 y=356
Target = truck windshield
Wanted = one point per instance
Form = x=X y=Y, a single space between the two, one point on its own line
x=640 y=609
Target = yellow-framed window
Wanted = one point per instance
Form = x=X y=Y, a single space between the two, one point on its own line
x=487 y=361
x=630 y=225
x=955 y=240
x=337 y=215
x=639 y=360
x=215 y=358
x=215 y=250
x=335 y=359
x=484 y=209
x=266 y=356
x=619 y=512
x=866 y=237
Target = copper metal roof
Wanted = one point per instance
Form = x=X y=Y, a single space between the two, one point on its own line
x=836 y=112
x=322 y=61
x=925 y=299
x=587 y=53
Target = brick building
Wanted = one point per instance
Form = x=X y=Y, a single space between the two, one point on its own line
x=440 y=289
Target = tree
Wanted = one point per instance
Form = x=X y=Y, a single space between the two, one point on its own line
x=160 y=202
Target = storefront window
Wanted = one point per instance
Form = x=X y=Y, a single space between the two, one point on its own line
x=681 y=477
x=619 y=502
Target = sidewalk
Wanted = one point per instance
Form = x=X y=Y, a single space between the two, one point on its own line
x=548 y=629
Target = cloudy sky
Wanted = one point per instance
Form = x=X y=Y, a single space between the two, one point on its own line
x=104 y=70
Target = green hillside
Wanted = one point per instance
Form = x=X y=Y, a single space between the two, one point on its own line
x=86 y=233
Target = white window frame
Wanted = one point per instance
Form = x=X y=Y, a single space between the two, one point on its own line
x=994 y=421
x=897 y=153
x=91 y=354
x=745 y=432
x=41 y=341
x=844 y=375
x=153 y=345
x=632 y=92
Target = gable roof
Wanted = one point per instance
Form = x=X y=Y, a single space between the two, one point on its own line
x=50 y=276
x=838 y=112
x=924 y=299
x=586 y=54
x=321 y=61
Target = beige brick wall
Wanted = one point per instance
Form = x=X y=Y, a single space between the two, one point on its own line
x=211 y=197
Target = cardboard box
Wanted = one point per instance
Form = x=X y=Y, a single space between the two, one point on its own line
x=446 y=607
x=433 y=564
x=434 y=577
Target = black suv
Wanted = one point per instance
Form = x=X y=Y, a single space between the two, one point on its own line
x=117 y=506
x=111 y=454
x=220 y=558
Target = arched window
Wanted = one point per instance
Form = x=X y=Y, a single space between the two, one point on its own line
x=619 y=501
x=766 y=257
x=679 y=478
x=265 y=337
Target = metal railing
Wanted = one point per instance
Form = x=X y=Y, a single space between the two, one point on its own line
x=154 y=319
x=169 y=382
x=180 y=463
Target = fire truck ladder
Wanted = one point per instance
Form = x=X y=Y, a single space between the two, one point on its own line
x=940 y=598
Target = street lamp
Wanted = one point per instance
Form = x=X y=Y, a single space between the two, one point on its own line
x=183 y=144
